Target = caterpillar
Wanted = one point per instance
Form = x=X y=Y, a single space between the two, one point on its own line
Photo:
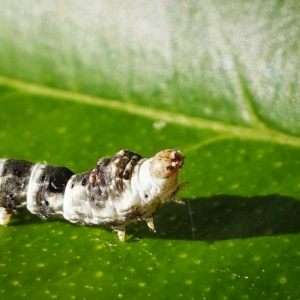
x=119 y=190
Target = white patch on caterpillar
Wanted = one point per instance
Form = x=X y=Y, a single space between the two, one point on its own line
x=32 y=186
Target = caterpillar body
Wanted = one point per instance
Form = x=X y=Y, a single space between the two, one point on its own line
x=117 y=191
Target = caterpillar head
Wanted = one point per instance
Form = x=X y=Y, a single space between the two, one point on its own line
x=166 y=163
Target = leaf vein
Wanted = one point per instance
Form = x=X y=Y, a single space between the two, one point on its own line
x=251 y=133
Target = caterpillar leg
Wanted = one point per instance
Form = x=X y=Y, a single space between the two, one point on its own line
x=150 y=224
x=4 y=216
x=121 y=232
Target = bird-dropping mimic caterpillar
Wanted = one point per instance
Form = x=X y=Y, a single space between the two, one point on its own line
x=119 y=190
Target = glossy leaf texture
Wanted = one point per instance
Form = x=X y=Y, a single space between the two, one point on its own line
x=218 y=80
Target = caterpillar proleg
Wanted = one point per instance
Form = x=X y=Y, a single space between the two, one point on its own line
x=117 y=191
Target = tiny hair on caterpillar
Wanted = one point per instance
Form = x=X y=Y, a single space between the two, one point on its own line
x=119 y=190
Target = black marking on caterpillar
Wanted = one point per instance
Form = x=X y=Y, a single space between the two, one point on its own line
x=119 y=190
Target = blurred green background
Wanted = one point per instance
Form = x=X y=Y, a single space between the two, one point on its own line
x=216 y=79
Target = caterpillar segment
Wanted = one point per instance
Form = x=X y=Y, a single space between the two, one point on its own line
x=119 y=190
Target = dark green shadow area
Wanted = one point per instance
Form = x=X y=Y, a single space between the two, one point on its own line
x=221 y=217
x=226 y=217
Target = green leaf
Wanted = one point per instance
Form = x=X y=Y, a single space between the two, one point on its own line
x=231 y=61
x=218 y=80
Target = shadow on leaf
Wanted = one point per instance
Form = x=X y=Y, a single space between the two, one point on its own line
x=221 y=217
x=226 y=217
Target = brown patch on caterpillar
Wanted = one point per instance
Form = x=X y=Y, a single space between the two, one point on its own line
x=166 y=163
x=107 y=178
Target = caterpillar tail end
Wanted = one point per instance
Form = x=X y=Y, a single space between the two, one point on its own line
x=4 y=216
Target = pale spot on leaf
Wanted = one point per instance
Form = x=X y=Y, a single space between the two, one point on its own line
x=41 y=265
x=99 y=274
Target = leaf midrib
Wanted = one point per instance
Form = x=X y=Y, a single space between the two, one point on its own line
x=258 y=131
